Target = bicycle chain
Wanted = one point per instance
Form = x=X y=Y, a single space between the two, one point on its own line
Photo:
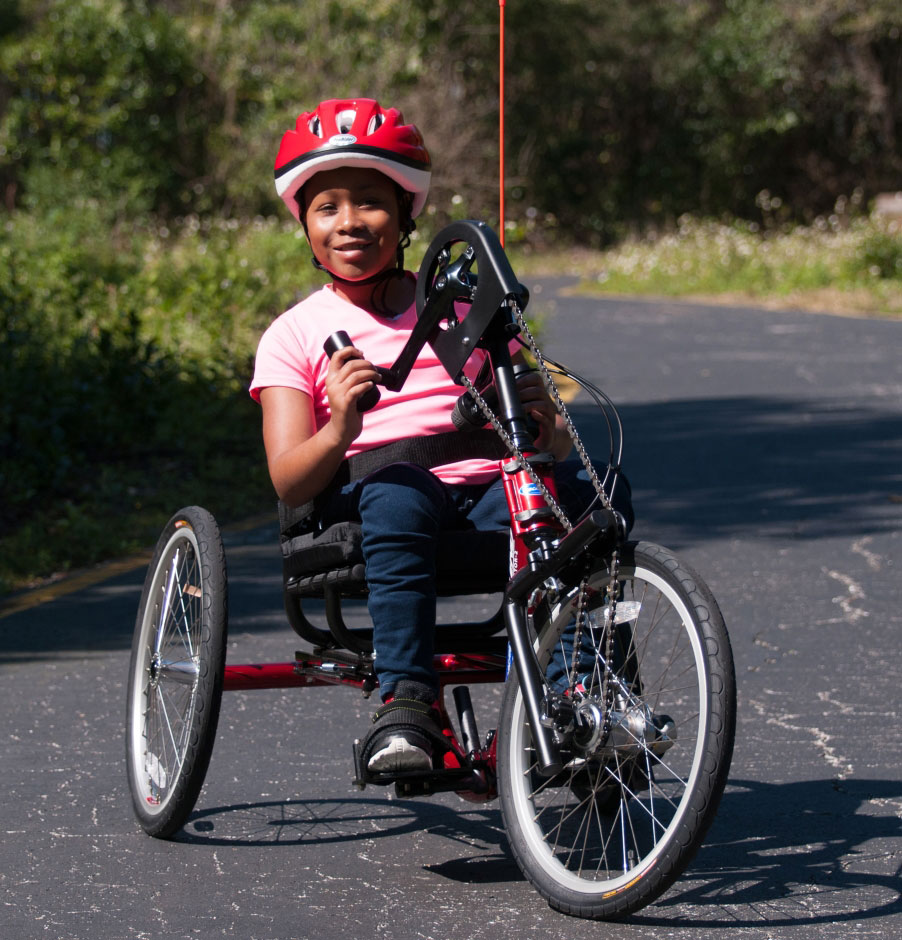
x=561 y=409
x=552 y=389
x=551 y=502
x=508 y=441
x=613 y=585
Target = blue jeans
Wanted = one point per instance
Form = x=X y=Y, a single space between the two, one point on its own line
x=402 y=508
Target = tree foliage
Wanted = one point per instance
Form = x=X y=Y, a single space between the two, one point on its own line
x=637 y=112
x=140 y=252
x=616 y=113
x=102 y=99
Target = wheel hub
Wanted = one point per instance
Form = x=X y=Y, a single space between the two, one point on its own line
x=153 y=670
x=633 y=731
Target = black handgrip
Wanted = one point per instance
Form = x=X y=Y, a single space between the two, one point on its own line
x=338 y=340
x=466 y=416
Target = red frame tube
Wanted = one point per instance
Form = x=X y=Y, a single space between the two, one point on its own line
x=451 y=669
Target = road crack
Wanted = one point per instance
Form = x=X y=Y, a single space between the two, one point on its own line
x=848 y=601
x=822 y=740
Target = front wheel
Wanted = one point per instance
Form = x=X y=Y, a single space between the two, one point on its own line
x=176 y=672
x=646 y=736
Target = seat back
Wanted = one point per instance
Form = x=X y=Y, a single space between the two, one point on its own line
x=329 y=565
x=468 y=561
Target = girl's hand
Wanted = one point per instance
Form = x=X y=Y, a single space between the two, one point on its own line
x=539 y=407
x=552 y=437
x=349 y=377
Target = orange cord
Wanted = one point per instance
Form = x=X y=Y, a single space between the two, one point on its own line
x=501 y=123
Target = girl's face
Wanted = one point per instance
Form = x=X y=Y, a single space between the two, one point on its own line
x=353 y=221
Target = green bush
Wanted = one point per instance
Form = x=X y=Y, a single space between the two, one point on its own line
x=123 y=375
x=881 y=252
x=106 y=99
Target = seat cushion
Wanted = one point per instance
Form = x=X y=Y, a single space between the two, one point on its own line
x=468 y=561
x=338 y=546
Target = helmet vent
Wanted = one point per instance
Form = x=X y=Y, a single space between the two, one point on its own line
x=358 y=132
x=344 y=120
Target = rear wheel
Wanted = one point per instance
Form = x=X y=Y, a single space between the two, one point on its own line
x=176 y=672
x=648 y=746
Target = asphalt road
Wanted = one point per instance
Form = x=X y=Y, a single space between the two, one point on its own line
x=765 y=447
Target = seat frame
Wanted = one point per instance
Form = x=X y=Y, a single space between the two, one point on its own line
x=468 y=561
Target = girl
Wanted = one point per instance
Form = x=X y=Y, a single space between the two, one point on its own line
x=355 y=176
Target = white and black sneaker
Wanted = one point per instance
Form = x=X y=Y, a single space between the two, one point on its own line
x=400 y=754
x=405 y=735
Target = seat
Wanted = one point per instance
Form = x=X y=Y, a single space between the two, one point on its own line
x=329 y=565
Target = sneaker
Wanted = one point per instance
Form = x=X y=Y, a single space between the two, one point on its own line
x=400 y=754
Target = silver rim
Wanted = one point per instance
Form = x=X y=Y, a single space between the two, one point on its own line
x=164 y=687
x=605 y=820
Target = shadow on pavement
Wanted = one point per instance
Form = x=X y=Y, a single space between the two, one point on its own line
x=805 y=852
x=324 y=821
x=758 y=467
x=777 y=855
x=700 y=469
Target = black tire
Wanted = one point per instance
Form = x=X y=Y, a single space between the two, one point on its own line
x=619 y=824
x=176 y=672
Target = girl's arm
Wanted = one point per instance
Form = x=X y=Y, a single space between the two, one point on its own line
x=302 y=460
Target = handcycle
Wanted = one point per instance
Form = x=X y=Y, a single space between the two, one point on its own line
x=617 y=720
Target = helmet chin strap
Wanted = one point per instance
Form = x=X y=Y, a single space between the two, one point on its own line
x=372 y=279
x=380 y=282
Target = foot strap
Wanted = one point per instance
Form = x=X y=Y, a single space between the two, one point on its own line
x=415 y=720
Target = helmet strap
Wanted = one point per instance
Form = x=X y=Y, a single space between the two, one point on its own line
x=372 y=279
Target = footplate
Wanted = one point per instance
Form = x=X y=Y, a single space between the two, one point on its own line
x=418 y=783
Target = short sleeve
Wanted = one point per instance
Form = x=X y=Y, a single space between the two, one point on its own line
x=281 y=360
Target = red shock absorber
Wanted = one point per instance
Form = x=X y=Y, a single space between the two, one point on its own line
x=531 y=517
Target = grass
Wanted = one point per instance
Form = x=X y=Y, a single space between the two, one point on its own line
x=837 y=265
x=111 y=521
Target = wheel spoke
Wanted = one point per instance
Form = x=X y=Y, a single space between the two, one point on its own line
x=175 y=678
x=639 y=753
x=183 y=622
x=167 y=601
x=166 y=732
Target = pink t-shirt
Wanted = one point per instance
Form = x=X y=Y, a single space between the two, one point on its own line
x=291 y=355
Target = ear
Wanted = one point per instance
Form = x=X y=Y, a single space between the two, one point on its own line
x=405 y=210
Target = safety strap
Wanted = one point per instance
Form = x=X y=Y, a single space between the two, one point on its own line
x=409 y=717
x=427 y=451
x=431 y=450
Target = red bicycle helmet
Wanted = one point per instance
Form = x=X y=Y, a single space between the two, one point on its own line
x=358 y=132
